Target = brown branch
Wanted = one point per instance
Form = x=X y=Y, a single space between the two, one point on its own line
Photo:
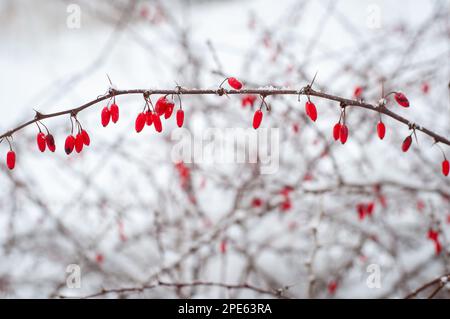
x=440 y=282
x=179 y=285
x=308 y=91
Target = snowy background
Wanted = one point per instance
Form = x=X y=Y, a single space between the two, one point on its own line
x=122 y=211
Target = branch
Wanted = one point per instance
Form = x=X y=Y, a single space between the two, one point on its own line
x=440 y=282
x=176 y=285
x=306 y=91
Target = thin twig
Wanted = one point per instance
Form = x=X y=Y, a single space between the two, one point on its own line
x=179 y=285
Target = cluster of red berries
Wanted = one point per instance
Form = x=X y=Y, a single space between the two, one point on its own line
x=45 y=140
x=434 y=236
x=365 y=209
x=340 y=130
x=286 y=204
x=184 y=173
x=78 y=141
x=152 y=115
x=110 y=113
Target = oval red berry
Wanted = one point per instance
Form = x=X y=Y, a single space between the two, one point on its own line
x=86 y=138
x=69 y=144
x=161 y=105
x=406 y=143
x=79 y=142
x=169 y=110
x=140 y=122
x=40 y=139
x=311 y=111
x=106 y=116
x=445 y=167
x=180 y=118
x=257 y=119
x=358 y=92
x=50 y=142
x=148 y=118
x=336 y=131
x=343 y=134
x=11 y=160
x=114 y=111
x=235 y=83
x=381 y=130
x=156 y=122
x=401 y=99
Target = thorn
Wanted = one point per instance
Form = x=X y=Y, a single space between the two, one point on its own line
x=314 y=78
x=38 y=115
x=109 y=79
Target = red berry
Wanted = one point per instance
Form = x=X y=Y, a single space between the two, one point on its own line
x=114 y=111
x=99 y=258
x=406 y=143
x=437 y=247
x=286 y=205
x=370 y=207
x=180 y=117
x=140 y=122
x=248 y=100
x=401 y=99
x=148 y=118
x=50 y=142
x=361 y=209
x=332 y=286
x=425 y=87
x=257 y=119
x=381 y=130
x=41 y=141
x=86 y=138
x=358 y=92
x=169 y=110
x=336 y=131
x=257 y=202
x=157 y=122
x=343 y=134
x=445 y=167
x=106 y=116
x=70 y=144
x=286 y=190
x=311 y=110
x=234 y=83
x=161 y=105
x=11 y=159
x=79 y=142
x=432 y=234
x=223 y=246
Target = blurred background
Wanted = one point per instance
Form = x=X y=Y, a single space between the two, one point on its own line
x=128 y=215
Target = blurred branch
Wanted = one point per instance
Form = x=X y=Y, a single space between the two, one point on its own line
x=438 y=282
x=179 y=285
